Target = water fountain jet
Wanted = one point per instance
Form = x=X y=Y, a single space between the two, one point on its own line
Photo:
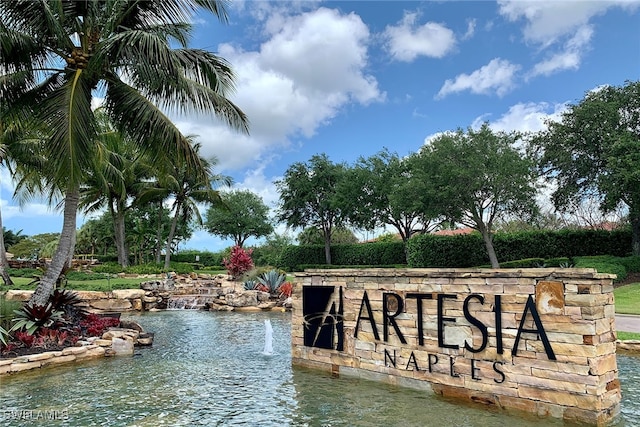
x=268 y=338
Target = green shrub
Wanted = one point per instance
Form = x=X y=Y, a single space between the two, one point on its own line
x=469 y=250
x=292 y=256
x=108 y=268
x=83 y=276
x=372 y=254
x=205 y=258
x=24 y=272
x=369 y=253
x=428 y=250
x=631 y=263
x=603 y=264
x=302 y=267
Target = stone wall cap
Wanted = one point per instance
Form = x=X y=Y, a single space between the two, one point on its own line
x=458 y=272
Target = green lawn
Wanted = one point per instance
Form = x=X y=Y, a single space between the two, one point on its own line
x=84 y=285
x=628 y=299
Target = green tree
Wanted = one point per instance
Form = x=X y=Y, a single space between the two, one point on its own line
x=242 y=214
x=595 y=149
x=175 y=179
x=12 y=237
x=95 y=236
x=480 y=176
x=117 y=172
x=58 y=55
x=315 y=236
x=308 y=197
x=270 y=251
x=383 y=190
x=33 y=247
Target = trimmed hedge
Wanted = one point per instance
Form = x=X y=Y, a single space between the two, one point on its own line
x=207 y=259
x=294 y=258
x=468 y=250
x=526 y=249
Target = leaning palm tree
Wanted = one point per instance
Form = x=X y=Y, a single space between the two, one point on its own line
x=58 y=56
x=175 y=181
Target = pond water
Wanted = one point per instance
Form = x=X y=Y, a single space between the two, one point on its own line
x=209 y=369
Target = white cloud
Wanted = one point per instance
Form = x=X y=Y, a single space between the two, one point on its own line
x=407 y=40
x=524 y=117
x=564 y=23
x=471 y=29
x=495 y=77
x=312 y=65
x=547 y=21
x=571 y=56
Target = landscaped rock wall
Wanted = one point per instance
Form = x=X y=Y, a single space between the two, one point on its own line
x=534 y=340
x=117 y=301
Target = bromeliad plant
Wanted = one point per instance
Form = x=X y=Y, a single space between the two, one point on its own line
x=32 y=317
x=63 y=307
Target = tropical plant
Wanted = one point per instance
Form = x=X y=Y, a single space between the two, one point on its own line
x=69 y=303
x=116 y=174
x=187 y=189
x=31 y=317
x=94 y=325
x=4 y=335
x=55 y=56
x=285 y=290
x=239 y=261
x=271 y=280
x=25 y=338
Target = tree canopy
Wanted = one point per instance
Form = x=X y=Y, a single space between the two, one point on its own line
x=595 y=150
x=242 y=214
x=480 y=176
x=384 y=190
x=308 y=197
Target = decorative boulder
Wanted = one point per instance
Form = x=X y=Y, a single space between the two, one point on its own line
x=122 y=347
x=242 y=299
x=158 y=285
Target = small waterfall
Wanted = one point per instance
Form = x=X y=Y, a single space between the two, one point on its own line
x=182 y=303
x=268 y=338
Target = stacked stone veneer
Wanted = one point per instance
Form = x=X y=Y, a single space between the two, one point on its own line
x=573 y=375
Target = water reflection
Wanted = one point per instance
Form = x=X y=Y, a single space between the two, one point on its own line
x=208 y=369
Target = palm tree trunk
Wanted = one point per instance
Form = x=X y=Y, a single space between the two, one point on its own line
x=159 y=233
x=172 y=232
x=118 y=229
x=4 y=264
x=47 y=283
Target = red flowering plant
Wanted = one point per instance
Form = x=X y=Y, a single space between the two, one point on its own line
x=94 y=325
x=239 y=261
x=285 y=290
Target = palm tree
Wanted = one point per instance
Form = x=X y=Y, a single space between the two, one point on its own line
x=187 y=190
x=58 y=55
x=116 y=173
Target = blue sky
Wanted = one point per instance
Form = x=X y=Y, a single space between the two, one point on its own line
x=351 y=78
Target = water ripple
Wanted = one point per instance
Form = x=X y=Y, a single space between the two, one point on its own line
x=208 y=369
